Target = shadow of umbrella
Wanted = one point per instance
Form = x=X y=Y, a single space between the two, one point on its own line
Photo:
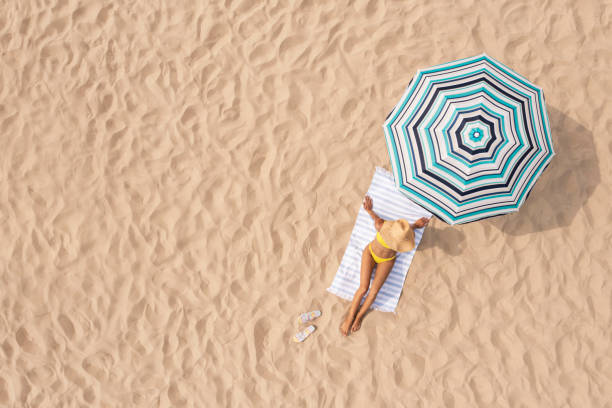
x=564 y=187
x=446 y=237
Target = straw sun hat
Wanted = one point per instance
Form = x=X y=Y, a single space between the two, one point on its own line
x=398 y=235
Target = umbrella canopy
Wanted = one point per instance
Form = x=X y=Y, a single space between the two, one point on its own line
x=469 y=139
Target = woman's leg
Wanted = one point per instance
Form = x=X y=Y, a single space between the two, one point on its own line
x=382 y=271
x=367 y=265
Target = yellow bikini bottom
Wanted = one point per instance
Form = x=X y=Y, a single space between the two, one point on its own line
x=376 y=258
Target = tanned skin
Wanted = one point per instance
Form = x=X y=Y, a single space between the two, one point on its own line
x=352 y=322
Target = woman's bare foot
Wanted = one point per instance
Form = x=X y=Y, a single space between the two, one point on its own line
x=357 y=324
x=344 y=328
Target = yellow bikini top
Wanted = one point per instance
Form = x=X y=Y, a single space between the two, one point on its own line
x=380 y=239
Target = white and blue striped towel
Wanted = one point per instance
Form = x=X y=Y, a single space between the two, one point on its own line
x=389 y=204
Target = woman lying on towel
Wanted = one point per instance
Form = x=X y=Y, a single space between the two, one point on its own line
x=392 y=237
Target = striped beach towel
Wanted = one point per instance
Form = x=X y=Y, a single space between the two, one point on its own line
x=389 y=204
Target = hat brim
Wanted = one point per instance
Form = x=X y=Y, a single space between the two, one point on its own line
x=402 y=245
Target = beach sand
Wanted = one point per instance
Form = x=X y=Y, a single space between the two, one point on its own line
x=178 y=181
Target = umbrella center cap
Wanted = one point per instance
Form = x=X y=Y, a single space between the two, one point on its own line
x=476 y=134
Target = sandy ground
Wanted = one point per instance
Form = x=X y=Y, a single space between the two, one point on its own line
x=178 y=181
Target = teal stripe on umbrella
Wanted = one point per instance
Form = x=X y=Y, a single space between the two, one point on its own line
x=468 y=139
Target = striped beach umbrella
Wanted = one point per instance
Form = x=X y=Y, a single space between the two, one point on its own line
x=468 y=139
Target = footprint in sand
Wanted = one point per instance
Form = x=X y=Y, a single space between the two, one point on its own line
x=67 y=326
x=260 y=333
x=5 y=397
x=25 y=340
x=408 y=370
x=175 y=395
x=89 y=395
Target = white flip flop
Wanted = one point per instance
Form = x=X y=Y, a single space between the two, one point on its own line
x=301 y=336
x=307 y=317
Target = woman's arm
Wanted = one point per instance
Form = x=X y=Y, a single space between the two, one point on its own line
x=367 y=205
x=378 y=222
x=420 y=223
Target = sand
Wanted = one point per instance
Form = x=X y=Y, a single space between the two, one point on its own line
x=178 y=181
